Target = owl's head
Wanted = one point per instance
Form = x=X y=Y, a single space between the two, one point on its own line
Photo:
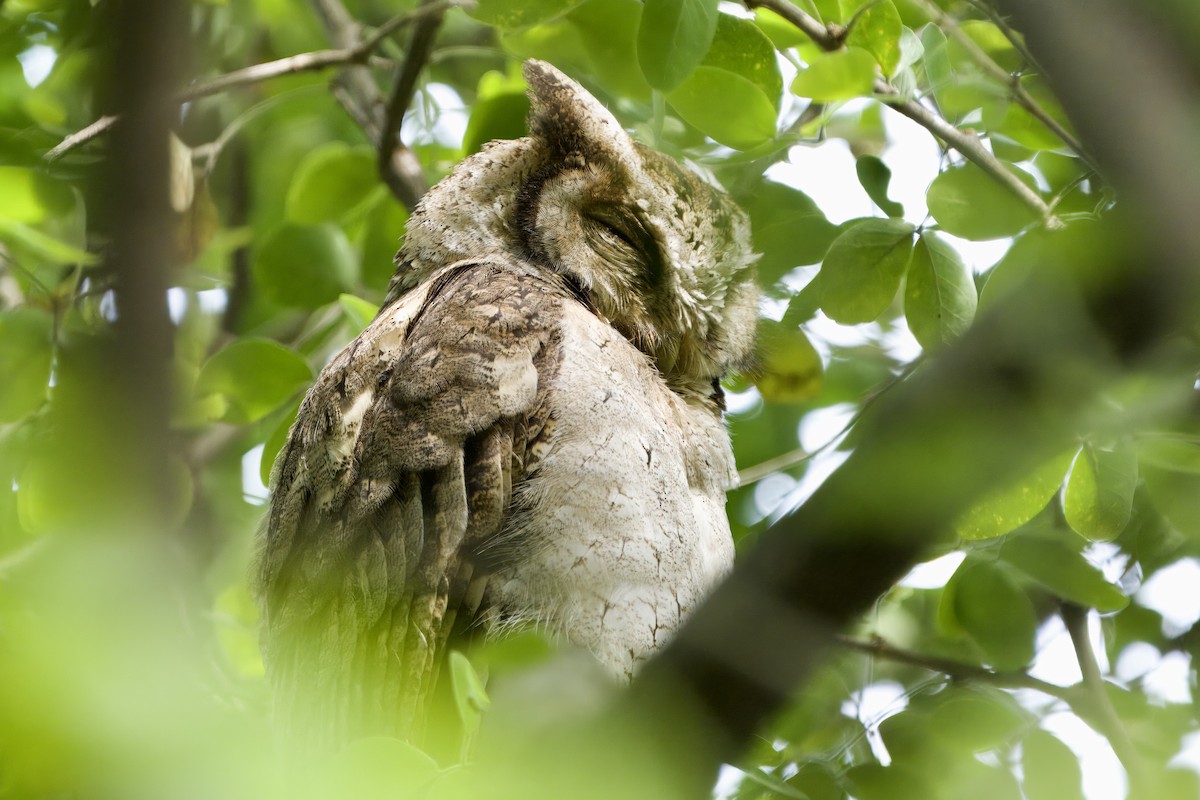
x=650 y=246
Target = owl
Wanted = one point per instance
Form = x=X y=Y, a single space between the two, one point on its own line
x=529 y=433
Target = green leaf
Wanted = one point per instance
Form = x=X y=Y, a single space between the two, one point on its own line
x=304 y=266
x=275 y=442
x=19 y=200
x=470 y=697
x=837 y=76
x=939 y=298
x=1098 y=500
x=330 y=182
x=790 y=370
x=994 y=610
x=725 y=106
x=1063 y=571
x=1174 y=494
x=235 y=620
x=862 y=270
x=1050 y=768
x=968 y=202
x=715 y=97
x=511 y=14
x=372 y=768
x=1178 y=453
x=383 y=229
x=1011 y=507
x=26 y=352
x=874 y=175
x=673 y=37
x=256 y=375
x=978 y=719
x=741 y=48
x=782 y=33
x=789 y=229
x=41 y=246
x=501 y=116
x=358 y=311
x=877 y=30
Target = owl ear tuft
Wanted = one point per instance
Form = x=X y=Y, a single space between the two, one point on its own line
x=571 y=121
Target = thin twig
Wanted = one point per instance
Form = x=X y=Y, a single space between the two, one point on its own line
x=1076 y=620
x=398 y=167
x=1013 y=37
x=827 y=37
x=1014 y=679
x=1013 y=82
x=830 y=38
x=357 y=53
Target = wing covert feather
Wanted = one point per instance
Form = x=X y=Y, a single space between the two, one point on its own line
x=402 y=460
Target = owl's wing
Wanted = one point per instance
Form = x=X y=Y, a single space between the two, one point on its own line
x=402 y=460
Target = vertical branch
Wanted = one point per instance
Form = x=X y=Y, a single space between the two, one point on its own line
x=145 y=69
x=398 y=166
x=1105 y=716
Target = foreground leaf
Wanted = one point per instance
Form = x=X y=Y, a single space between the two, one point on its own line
x=255 y=375
x=1098 y=500
x=1016 y=504
x=862 y=271
x=673 y=38
x=939 y=298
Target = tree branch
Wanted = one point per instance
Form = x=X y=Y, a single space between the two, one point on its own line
x=357 y=53
x=1013 y=82
x=398 y=166
x=830 y=38
x=1105 y=716
x=956 y=669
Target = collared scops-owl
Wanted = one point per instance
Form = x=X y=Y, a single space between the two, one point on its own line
x=529 y=433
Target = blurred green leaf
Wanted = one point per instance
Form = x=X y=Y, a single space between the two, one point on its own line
x=790 y=370
x=673 y=37
x=979 y=719
x=256 y=375
x=837 y=76
x=788 y=228
x=1050 y=769
x=874 y=175
x=994 y=610
x=733 y=96
x=1009 y=508
x=22 y=238
x=877 y=30
x=968 y=202
x=330 y=182
x=26 y=352
x=1063 y=571
x=501 y=116
x=782 y=33
x=1098 y=498
x=275 y=442
x=511 y=14
x=863 y=268
x=19 y=201
x=939 y=297
x=358 y=311
x=726 y=106
x=304 y=266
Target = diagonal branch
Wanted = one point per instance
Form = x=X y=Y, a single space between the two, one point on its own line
x=1019 y=93
x=880 y=648
x=1105 y=716
x=356 y=53
x=398 y=166
x=830 y=38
